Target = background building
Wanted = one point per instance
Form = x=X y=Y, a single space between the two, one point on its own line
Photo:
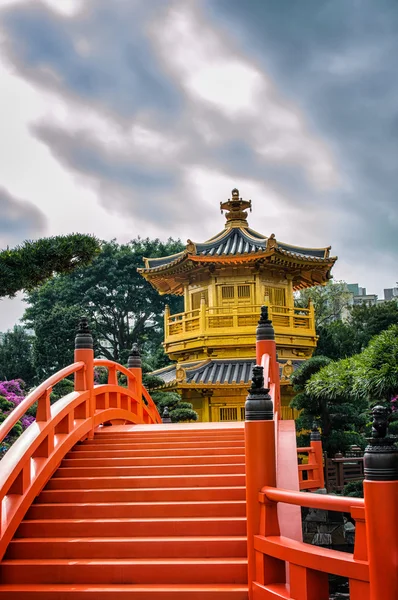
x=359 y=295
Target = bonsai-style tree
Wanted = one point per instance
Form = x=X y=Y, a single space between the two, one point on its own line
x=32 y=263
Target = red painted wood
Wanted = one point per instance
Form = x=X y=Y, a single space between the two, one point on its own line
x=167 y=527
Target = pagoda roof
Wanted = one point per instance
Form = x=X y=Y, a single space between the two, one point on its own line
x=234 y=241
x=212 y=372
x=237 y=243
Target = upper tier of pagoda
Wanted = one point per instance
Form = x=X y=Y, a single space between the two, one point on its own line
x=239 y=245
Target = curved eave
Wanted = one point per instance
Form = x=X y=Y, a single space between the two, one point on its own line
x=237 y=243
x=163 y=267
x=187 y=259
x=162 y=260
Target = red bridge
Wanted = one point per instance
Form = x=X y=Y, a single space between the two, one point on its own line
x=159 y=511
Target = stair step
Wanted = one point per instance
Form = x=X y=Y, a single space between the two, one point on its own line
x=110 y=592
x=99 y=452
x=132 y=527
x=91 y=444
x=121 y=510
x=156 y=470
x=125 y=547
x=205 y=494
x=77 y=483
x=134 y=437
x=147 y=461
x=154 y=571
x=152 y=514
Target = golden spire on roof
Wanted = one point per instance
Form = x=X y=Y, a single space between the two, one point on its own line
x=236 y=207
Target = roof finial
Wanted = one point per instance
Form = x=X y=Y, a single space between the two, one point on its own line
x=236 y=207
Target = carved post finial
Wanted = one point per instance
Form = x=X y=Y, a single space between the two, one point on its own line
x=265 y=330
x=381 y=455
x=83 y=339
x=236 y=209
x=134 y=358
x=258 y=405
x=315 y=433
x=166 y=415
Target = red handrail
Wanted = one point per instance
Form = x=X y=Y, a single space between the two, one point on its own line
x=35 y=395
x=321 y=501
x=111 y=364
x=265 y=363
x=36 y=453
x=148 y=398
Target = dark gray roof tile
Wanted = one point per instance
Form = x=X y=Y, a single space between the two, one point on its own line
x=224 y=371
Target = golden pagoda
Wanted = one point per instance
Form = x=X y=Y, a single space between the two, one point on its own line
x=225 y=281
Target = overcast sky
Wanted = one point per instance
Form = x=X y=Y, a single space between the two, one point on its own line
x=130 y=117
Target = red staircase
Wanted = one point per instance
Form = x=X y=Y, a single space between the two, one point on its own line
x=152 y=512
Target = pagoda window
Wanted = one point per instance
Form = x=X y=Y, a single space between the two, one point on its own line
x=233 y=295
x=196 y=298
x=276 y=295
x=227 y=292
x=229 y=413
x=243 y=291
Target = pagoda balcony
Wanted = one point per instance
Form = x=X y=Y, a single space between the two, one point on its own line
x=236 y=326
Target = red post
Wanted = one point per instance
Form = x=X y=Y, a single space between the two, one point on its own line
x=265 y=344
x=134 y=364
x=317 y=454
x=260 y=460
x=381 y=509
x=85 y=380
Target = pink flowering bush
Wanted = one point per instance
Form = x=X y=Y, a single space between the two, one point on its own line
x=11 y=394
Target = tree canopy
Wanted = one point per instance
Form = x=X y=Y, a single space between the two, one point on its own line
x=16 y=355
x=32 y=263
x=330 y=301
x=121 y=306
x=341 y=339
x=345 y=329
x=339 y=394
x=371 y=375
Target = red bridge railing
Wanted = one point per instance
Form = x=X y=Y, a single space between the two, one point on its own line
x=314 y=470
x=285 y=568
x=37 y=453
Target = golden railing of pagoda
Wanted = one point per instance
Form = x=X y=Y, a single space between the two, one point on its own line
x=215 y=319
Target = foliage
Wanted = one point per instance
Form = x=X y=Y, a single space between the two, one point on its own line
x=179 y=411
x=377 y=378
x=345 y=330
x=368 y=321
x=16 y=355
x=354 y=489
x=339 y=339
x=330 y=301
x=11 y=394
x=308 y=368
x=303 y=402
x=61 y=389
x=340 y=416
x=55 y=329
x=341 y=393
x=121 y=306
x=183 y=414
x=32 y=263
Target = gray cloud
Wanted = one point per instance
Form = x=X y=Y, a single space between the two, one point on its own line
x=126 y=185
x=19 y=220
x=335 y=61
x=102 y=55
